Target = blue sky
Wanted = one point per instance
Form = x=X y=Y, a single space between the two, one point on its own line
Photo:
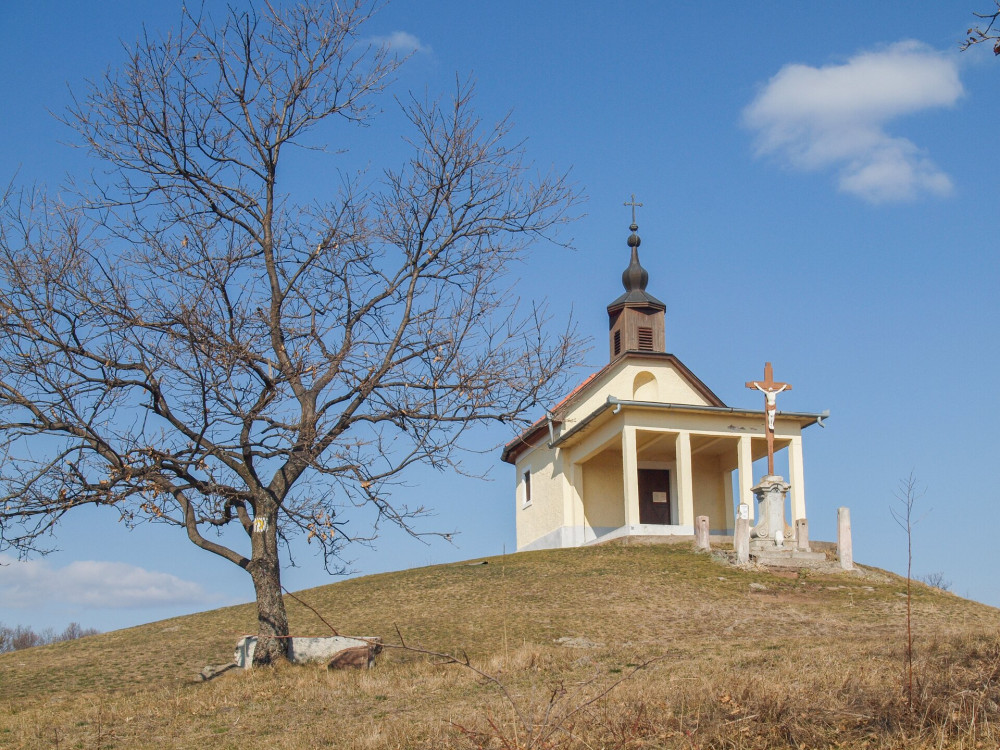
x=819 y=185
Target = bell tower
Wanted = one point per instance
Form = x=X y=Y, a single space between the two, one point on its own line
x=636 y=319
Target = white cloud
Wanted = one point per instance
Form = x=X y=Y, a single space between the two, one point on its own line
x=93 y=584
x=834 y=116
x=401 y=42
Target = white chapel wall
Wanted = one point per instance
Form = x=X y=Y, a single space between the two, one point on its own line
x=604 y=491
x=669 y=387
x=644 y=387
x=545 y=513
x=674 y=389
x=708 y=483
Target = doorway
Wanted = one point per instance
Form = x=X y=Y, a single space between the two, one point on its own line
x=654 y=496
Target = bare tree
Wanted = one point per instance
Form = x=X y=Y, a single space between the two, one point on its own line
x=23 y=636
x=985 y=33
x=936 y=580
x=195 y=347
x=907 y=494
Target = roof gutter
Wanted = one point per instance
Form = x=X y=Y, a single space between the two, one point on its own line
x=812 y=418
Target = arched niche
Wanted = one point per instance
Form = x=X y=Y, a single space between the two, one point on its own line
x=644 y=387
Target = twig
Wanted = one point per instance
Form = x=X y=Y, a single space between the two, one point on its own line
x=613 y=685
x=742 y=718
x=311 y=609
x=503 y=606
x=452 y=659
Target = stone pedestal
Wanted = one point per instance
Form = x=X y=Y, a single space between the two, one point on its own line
x=771 y=541
x=769 y=533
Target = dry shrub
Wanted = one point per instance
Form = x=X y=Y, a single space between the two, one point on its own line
x=956 y=703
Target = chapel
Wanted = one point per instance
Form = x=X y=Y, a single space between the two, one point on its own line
x=642 y=447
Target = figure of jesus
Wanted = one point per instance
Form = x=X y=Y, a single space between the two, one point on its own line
x=771 y=405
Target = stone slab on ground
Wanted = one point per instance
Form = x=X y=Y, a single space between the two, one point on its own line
x=336 y=651
x=648 y=539
x=788 y=558
x=577 y=642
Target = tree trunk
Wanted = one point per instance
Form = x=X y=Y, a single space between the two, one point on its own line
x=264 y=568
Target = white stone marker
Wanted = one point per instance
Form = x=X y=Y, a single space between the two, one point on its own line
x=844 y=548
x=802 y=534
x=741 y=535
x=701 y=533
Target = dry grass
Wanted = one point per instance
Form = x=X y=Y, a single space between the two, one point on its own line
x=812 y=661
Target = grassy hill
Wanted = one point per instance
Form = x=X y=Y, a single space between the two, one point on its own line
x=743 y=659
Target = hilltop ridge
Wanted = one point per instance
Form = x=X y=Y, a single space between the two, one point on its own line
x=763 y=649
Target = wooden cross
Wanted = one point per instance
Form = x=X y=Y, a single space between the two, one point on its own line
x=633 y=204
x=770 y=389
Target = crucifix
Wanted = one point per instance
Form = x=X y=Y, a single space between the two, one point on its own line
x=633 y=204
x=770 y=389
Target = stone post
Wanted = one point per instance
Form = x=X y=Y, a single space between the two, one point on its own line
x=845 y=550
x=802 y=534
x=741 y=534
x=701 y=533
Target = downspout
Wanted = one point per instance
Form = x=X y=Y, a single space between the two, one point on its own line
x=552 y=434
x=616 y=402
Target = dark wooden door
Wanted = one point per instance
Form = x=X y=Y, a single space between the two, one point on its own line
x=654 y=496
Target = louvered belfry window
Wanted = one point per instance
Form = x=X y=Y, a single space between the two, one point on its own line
x=618 y=342
x=645 y=339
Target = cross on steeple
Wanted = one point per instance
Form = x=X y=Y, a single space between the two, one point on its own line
x=636 y=318
x=633 y=204
x=770 y=389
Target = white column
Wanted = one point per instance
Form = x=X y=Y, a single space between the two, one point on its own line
x=572 y=509
x=630 y=476
x=745 y=469
x=685 y=484
x=795 y=478
x=728 y=490
x=576 y=492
